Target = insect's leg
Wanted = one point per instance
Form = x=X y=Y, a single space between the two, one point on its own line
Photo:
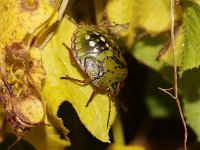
x=65 y=45
x=70 y=78
x=91 y=97
x=70 y=54
x=85 y=81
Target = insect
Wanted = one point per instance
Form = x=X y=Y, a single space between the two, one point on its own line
x=100 y=58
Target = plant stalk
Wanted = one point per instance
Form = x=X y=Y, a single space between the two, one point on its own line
x=117 y=131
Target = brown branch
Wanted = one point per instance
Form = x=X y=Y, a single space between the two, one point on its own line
x=175 y=74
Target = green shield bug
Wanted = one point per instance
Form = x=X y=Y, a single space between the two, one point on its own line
x=100 y=58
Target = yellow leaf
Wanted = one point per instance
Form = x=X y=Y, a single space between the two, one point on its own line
x=19 y=19
x=153 y=16
x=124 y=147
x=46 y=138
x=123 y=12
x=57 y=64
x=166 y=52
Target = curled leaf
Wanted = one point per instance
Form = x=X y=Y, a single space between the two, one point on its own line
x=21 y=71
x=21 y=103
x=20 y=113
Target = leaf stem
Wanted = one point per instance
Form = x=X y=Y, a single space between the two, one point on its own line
x=117 y=131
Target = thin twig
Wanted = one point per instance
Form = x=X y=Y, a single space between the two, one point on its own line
x=175 y=74
x=40 y=28
x=62 y=9
x=61 y=12
x=166 y=91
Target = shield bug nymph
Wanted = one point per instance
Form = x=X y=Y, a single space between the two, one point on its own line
x=100 y=58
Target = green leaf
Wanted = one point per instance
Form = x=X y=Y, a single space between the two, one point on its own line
x=189 y=88
x=191 y=22
x=147 y=49
x=159 y=104
x=186 y=39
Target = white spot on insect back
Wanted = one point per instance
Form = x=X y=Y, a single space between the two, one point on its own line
x=92 y=43
x=107 y=45
x=96 y=33
x=95 y=50
x=102 y=39
x=87 y=37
